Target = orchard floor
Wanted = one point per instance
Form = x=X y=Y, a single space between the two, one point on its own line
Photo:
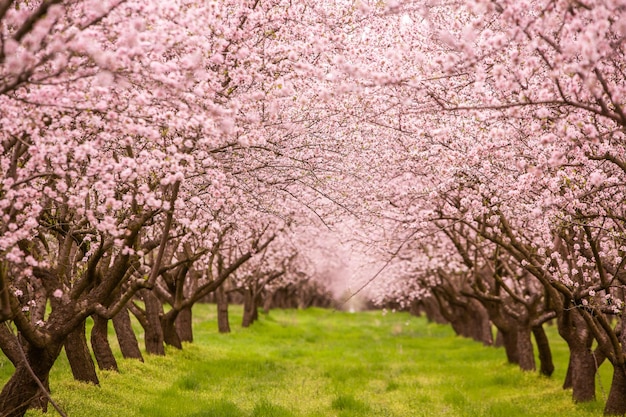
x=322 y=363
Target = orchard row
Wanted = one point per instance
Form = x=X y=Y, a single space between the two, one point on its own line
x=158 y=153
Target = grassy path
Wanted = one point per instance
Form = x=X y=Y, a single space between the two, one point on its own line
x=320 y=363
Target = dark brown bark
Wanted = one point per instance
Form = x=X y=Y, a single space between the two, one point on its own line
x=567 y=383
x=250 y=311
x=5 y=305
x=582 y=370
x=184 y=325
x=79 y=357
x=267 y=302
x=525 y=349
x=153 y=330
x=221 y=298
x=9 y=345
x=100 y=344
x=21 y=389
x=481 y=324
x=12 y=350
x=507 y=330
x=583 y=362
x=168 y=324
x=40 y=402
x=616 y=403
x=126 y=336
x=546 y=365
x=509 y=342
x=499 y=341
x=431 y=309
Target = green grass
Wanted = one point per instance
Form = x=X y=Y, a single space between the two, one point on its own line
x=320 y=363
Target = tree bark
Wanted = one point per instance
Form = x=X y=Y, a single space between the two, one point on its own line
x=481 y=324
x=268 y=302
x=153 y=331
x=126 y=336
x=616 y=403
x=546 y=365
x=21 y=389
x=583 y=362
x=221 y=298
x=582 y=371
x=40 y=402
x=170 y=335
x=509 y=342
x=79 y=356
x=100 y=344
x=525 y=349
x=184 y=325
x=250 y=311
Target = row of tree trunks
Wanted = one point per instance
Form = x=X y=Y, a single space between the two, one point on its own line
x=466 y=316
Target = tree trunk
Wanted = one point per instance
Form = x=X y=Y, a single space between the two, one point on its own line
x=583 y=362
x=126 y=336
x=546 y=365
x=184 y=325
x=79 y=356
x=21 y=389
x=525 y=349
x=221 y=298
x=499 y=341
x=40 y=402
x=433 y=311
x=582 y=372
x=170 y=335
x=153 y=330
x=567 y=383
x=100 y=344
x=267 y=303
x=481 y=328
x=249 y=309
x=616 y=403
x=509 y=342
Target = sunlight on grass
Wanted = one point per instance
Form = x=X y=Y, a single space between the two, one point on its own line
x=320 y=363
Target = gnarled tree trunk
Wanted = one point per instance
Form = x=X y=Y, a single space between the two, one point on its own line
x=126 y=336
x=509 y=342
x=184 y=325
x=525 y=349
x=100 y=344
x=582 y=371
x=153 y=331
x=170 y=334
x=79 y=356
x=21 y=389
x=546 y=365
x=583 y=362
x=616 y=402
